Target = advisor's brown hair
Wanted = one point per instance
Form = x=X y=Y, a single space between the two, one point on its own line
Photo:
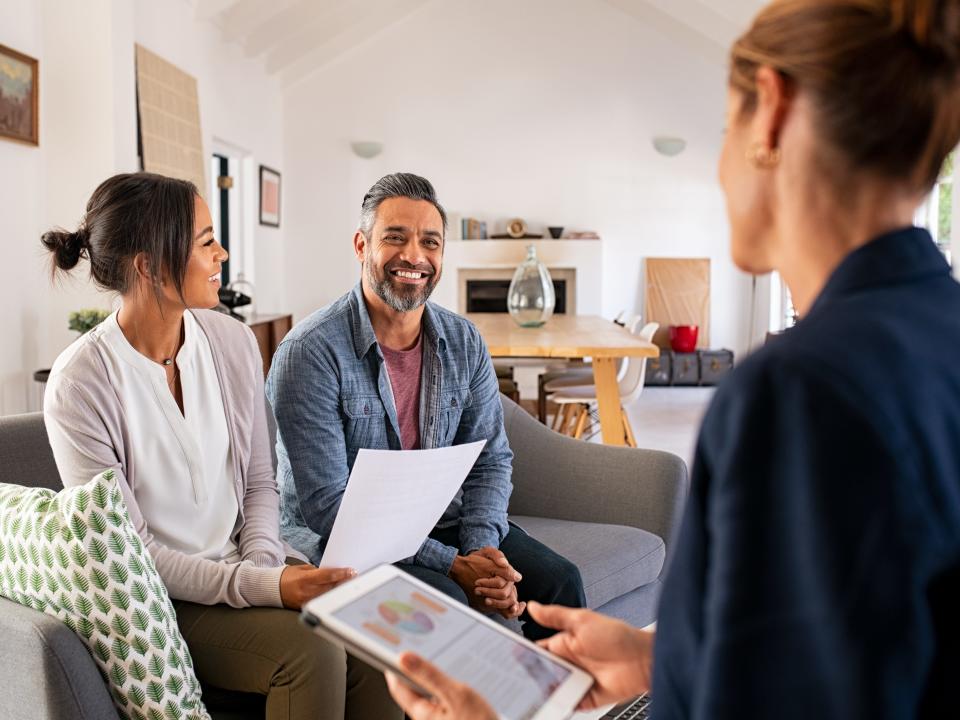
x=884 y=76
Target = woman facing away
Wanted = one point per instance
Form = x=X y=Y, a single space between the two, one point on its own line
x=169 y=394
x=817 y=569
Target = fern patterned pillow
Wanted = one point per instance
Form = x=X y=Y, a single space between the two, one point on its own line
x=76 y=556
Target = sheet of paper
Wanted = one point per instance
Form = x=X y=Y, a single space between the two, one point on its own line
x=394 y=498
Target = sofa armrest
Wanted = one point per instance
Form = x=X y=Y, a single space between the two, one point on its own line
x=47 y=672
x=555 y=476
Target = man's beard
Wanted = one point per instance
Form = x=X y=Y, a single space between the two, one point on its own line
x=400 y=296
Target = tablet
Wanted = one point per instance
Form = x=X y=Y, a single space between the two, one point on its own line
x=386 y=612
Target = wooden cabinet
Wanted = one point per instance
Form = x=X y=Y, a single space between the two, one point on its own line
x=269 y=331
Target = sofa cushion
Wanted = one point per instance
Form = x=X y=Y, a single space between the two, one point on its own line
x=613 y=559
x=75 y=555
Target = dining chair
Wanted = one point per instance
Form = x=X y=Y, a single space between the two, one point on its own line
x=577 y=403
x=578 y=373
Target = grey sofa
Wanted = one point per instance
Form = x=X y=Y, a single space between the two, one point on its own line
x=612 y=511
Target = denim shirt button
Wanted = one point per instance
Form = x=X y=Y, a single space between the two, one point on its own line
x=366 y=409
x=454 y=402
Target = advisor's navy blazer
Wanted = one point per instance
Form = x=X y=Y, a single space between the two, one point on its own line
x=817 y=572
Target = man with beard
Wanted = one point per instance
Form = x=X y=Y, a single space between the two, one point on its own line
x=383 y=368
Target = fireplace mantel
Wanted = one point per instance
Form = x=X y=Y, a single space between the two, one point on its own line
x=585 y=257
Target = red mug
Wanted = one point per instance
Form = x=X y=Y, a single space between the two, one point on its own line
x=683 y=338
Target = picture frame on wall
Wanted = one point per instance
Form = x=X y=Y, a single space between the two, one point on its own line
x=269 y=197
x=19 y=97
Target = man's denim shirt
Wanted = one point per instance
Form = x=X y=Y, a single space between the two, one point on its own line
x=331 y=395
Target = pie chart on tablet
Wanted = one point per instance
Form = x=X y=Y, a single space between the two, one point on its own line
x=405 y=617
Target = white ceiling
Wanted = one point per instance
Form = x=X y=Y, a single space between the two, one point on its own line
x=296 y=37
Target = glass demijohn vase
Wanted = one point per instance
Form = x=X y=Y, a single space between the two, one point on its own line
x=531 y=298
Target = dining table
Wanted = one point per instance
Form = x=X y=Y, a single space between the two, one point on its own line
x=572 y=337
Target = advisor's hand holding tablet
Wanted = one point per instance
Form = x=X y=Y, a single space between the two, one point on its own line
x=472 y=668
x=617 y=655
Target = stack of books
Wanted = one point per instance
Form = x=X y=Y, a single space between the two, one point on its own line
x=473 y=229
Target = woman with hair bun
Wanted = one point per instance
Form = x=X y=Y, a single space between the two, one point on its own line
x=169 y=395
x=817 y=569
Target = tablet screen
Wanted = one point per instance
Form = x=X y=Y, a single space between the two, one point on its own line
x=398 y=615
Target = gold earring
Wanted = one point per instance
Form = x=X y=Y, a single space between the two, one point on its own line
x=763 y=157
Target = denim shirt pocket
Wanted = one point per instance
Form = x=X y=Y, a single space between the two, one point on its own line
x=364 y=422
x=453 y=402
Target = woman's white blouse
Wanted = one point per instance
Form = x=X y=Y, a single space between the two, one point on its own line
x=185 y=485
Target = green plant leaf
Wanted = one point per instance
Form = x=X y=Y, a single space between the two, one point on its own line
x=154 y=713
x=117 y=544
x=46 y=554
x=140 y=644
x=84 y=605
x=22 y=578
x=175 y=684
x=78 y=527
x=173 y=659
x=118 y=676
x=115 y=519
x=99 y=579
x=98 y=493
x=120 y=625
x=63 y=560
x=120 y=598
x=139 y=592
x=136 y=694
x=119 y=573
x=102 y=603
x=158 y=638
x=70 y=623
x=156 y=665
x=82 y=584
x=140 y=619
x=97 y=549
x=51 y=527
x=34 y=554
x=136 y=567
x=121 y=648
x=79 y=556
x=66 y=603
x=36 y=581
x=155 y=691
x=101 y=650
x=52 y=583
x=156 y=612
x=102 y=627
x=82 y=499
x=172 y=711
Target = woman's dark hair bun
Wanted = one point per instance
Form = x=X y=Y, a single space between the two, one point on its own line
x=934 y=25
x=67 y=247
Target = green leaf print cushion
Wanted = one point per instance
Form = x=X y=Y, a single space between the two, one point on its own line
x=76 y=556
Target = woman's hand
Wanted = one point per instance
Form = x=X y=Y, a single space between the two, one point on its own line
x=301 y=583
x=618 y=656
x=451 y=699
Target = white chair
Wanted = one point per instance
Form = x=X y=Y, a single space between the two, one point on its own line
x=579 y=372
x=584 y=396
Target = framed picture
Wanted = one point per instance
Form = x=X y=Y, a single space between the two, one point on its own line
x=18 y=97
x=269 y=197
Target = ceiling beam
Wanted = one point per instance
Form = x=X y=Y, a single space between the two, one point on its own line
x=350 y=35
x=663 y=16
x=297 y=18
x=244 y=16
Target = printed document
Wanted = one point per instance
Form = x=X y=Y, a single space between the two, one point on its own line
x=394 y=498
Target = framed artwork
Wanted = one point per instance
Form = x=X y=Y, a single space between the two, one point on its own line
x=269 y=197
x=19 y=94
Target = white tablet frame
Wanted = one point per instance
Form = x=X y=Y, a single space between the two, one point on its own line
x=318 y=614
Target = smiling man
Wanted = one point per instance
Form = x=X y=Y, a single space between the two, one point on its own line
x=383 y=368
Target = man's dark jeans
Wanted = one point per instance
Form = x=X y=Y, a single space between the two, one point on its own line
x=548 y=577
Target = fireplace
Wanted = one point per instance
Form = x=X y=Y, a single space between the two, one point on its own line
x=484 y=290
x=490 y=296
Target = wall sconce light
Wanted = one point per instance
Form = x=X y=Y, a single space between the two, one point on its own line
x=366 y=148
x=669 y=146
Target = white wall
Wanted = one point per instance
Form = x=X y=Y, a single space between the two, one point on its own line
x=88 y=132
x=542 y=110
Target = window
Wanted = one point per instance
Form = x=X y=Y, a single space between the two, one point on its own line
x=936 y=214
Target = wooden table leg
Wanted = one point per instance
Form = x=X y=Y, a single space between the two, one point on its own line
x=608 y=400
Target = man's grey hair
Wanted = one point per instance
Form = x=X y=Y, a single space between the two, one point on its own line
x=395 y=185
